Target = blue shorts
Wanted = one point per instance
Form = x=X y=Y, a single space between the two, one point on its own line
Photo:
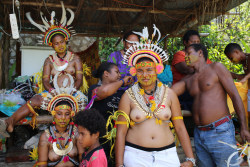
x=210 y=152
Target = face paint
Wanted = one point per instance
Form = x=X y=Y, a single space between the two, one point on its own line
x=235 y=60
x=62 y=122
x=187 y=60
x=145 y=64
x=60 y=48
x=147 y=80
x=191 y=59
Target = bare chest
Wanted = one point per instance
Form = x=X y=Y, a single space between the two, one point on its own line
x=200 y=83
x=69 y=70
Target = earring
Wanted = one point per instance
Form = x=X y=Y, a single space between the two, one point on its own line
x=53 y=122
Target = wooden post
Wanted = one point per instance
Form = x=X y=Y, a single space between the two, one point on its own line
x=5 y=60
x=1 y=62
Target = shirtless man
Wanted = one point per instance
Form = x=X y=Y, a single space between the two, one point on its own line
x=62 y=62
x=209 y=86
x=236 y=55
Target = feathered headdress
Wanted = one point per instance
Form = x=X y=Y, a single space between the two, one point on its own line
x=146 y=48
x=52 y=27
x=77 y=100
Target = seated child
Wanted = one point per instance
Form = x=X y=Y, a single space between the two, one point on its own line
x=91 y=125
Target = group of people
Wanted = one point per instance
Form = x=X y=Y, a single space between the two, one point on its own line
x=143 y=105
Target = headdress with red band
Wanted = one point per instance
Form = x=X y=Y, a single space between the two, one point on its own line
x=53 y=27
x=146 y=48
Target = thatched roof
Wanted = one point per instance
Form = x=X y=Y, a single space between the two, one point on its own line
x=114 y=17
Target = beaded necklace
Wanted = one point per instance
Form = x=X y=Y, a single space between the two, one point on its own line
x=62 y=58
x=61 y=138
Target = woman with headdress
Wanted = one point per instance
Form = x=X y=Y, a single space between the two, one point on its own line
x=145 y=111
x=57 y=145
x=59 y=66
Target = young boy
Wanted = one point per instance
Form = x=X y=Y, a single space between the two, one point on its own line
x=234 y=52
x=91 y=125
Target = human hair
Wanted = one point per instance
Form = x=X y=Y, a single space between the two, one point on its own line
x=127 y=34
x=56 y=34
x=64 y=102
x=198 y=47
x=144 y=59
x=92 y=120
x=188 y=34
x=105 y=66
x=232 y=47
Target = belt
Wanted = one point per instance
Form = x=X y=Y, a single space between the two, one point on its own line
x=215 y=124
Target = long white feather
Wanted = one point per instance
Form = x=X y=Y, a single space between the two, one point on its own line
x=63 y=13
x=39 y=26
x=72 y=16
x=44 y=22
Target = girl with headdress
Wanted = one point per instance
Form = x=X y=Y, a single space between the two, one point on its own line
x=57 y=145
x=145 y=111
x=58 y=66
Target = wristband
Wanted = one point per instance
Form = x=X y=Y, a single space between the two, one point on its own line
x=122 y=82
x=121 y=166
x=192 y=160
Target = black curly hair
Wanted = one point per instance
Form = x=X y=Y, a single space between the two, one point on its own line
x=92 y=120
x=199 y=46
x=188 y=34
x=105 y=66
x=231 y=47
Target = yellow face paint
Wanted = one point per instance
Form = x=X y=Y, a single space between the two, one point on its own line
x=61 y=48
x=191 y=59
x=145 y=64
x=62 y=122
x=147 y=80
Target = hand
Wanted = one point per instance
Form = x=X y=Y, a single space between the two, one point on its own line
x=245 y=135
x=187 y=164
x=243 y=80
x=128 y=80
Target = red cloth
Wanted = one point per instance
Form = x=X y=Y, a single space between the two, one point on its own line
x=178 y=58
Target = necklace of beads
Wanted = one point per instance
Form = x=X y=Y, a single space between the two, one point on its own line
x=61 y=58
x=61 y=133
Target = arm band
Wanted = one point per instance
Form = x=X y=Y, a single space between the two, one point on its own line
x=175 y=118
x=45 y=76
x=122 y=82
x=121 y=122
x=41 y=163
x=79 y=72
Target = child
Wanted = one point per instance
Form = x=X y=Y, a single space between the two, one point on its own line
x=234 y=52
x=91 y=125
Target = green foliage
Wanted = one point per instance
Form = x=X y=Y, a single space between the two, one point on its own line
x=107 y=46
x=228 y=29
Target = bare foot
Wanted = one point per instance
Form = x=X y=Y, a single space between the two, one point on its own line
x=9 y=124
